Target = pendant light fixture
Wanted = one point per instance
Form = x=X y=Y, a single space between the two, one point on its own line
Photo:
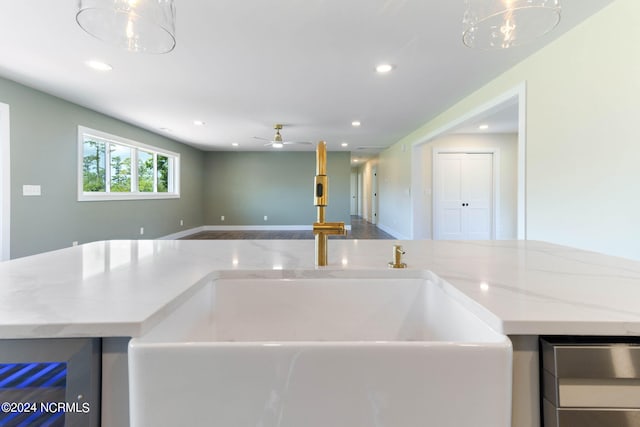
x=136 y=25
x=501 y=24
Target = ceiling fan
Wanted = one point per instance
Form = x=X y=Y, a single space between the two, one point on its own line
x=277 y=141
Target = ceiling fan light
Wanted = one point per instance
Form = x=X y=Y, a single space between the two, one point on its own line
x=136 y=25
x=501 y=24
x=277 y=145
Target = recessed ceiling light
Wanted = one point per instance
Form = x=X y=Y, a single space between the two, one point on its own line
x=344 y=144
x=483 y=127
x=384 y=68
x=98 y=65
x=198 y=122
x=355 y=123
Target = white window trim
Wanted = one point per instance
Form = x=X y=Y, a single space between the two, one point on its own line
x=84 y=196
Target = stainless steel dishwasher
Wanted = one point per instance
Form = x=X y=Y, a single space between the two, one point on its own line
x=590 y=381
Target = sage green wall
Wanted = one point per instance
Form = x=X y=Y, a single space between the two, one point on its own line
x=582 y=136
x=246 y=186
x=44 y=152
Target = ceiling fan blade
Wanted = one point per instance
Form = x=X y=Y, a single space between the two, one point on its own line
x=297 y=143
x=277 y=141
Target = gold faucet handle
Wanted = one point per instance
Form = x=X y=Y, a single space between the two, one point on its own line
x=333 y=228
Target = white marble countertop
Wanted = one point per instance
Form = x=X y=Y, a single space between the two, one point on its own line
x=122 y=288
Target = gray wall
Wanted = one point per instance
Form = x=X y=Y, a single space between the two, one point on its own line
x=246 y=186
x=44 y=152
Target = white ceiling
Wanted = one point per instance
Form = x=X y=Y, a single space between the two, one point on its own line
x=242 y=66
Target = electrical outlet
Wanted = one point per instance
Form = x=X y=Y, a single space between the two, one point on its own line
x=181 y=222
x=141 y=231
x=266 y=217
x=31 y=190
x=221 y=217
x=74 y=243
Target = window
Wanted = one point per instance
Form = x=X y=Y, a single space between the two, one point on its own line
x=114 y=168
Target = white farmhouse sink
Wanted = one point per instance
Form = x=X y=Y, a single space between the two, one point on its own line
x=319 y=352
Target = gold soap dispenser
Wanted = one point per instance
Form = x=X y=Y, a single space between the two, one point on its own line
x=397 y=257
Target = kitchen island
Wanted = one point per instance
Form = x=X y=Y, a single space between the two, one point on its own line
x=121 y=289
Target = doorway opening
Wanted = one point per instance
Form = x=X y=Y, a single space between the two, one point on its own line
x=353 y=208
x=509 y=110
x=359 y=190
x=374 y=196
x=5 y=189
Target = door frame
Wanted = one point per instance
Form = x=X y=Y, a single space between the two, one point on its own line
x=495 y=188
x=5 y=186
x=514 y=96
x=374 y=195
x=360 y=197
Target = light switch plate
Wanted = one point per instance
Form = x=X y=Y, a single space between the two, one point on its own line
x=31 y=190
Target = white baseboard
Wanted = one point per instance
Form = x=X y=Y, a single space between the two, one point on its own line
x=393 y=232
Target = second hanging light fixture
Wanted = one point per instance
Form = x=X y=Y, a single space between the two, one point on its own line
x=501 y=24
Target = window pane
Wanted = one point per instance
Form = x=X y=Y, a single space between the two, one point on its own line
x=114 y=168
x=145 y=171
x=93 y=166
x=120 y=168
x=163 y=174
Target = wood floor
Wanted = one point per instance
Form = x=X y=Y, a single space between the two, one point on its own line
x=360 y=229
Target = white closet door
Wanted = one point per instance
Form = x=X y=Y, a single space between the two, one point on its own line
x=464 y=201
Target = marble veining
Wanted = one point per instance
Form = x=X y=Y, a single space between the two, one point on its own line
x=122 y=288
x=321 y=348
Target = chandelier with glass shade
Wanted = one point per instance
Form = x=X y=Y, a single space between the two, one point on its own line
x=136 y=25
x=501 y=24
